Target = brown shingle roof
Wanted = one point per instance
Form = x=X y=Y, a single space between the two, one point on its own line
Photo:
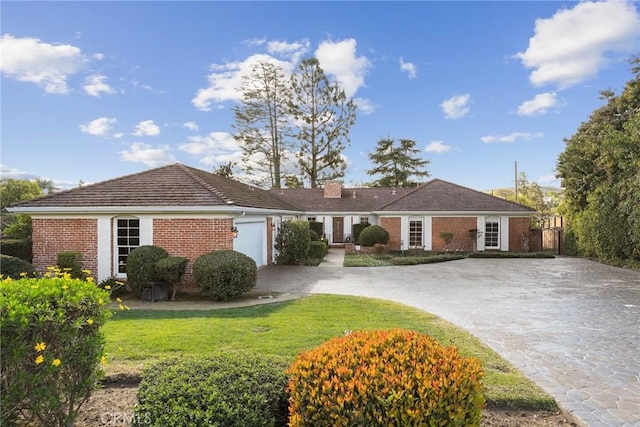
x=442 y=196
x=352 y=200
x=434 y=196
x=171 y=186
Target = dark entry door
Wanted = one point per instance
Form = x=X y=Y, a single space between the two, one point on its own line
x=338 y=229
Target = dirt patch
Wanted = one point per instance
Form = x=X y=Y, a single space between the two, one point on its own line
x=113 y=405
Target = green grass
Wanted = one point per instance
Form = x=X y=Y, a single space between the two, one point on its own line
x=288 y=328
x=415 y=258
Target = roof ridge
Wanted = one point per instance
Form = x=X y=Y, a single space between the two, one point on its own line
x=191 y=172
x=408 y=193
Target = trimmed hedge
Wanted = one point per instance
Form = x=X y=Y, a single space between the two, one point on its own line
x=373 y=235
x=141 y=265
x=71 y=262
x=19 y=248
x=224 y=274
x=15 y=268
x=292 y=242
x=52 y=348
x=356 y=229
x=225 y=389
x=317 y=226
x=313 y=236
x=385 y=378
x=170 y=270
x=317 y=250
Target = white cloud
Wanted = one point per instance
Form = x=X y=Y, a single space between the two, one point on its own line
x=456 y=106
x=95 y=85
x=437 y=147
x=571 y=46
x=226 y=79
x=192 y=126
x=540 y=104
x=340 y=60
x=146 y=128
x=8 y=172
x=211 y=144
x=364 y=106
x=139 y=152
x=99 y=56
x=99 y=127
x=47 y=65
x=410 y=68
x=549 y=179
x=527 y=136
x=293 y=50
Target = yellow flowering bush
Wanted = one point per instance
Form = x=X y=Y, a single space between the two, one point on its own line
x=384 y=378
x=51 y=347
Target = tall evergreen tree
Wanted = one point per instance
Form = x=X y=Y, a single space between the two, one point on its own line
x=262 y=123
x=397 y=163
x=324 y=116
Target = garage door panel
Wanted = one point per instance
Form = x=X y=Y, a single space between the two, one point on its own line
x=250 y=240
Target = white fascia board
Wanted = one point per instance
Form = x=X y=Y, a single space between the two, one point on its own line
x=231 y=210
x=453 y=213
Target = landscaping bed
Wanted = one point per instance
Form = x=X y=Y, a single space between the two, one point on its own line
x=413 y=257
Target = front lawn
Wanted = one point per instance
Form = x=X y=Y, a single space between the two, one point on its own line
x=426 y=257
x=138 y=336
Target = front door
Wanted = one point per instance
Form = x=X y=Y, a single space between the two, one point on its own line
x=338 y=229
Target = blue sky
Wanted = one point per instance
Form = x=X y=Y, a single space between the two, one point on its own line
x=95 y=90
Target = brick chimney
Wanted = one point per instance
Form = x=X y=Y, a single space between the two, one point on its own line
x=332 y=189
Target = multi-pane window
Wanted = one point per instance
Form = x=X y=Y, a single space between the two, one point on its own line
x=128 y=238
x=415 y=233
x=311 y=219
x=491 y=234
x=364 y=220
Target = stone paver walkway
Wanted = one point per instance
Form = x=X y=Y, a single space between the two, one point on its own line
x=571 y=325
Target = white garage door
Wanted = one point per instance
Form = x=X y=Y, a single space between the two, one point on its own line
x=250 y=240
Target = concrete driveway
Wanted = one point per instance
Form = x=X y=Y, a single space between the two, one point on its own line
x=571 y=325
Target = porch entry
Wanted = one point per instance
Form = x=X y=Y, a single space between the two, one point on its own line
x=338 y=229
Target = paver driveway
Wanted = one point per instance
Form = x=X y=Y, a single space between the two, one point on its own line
x=571 y=325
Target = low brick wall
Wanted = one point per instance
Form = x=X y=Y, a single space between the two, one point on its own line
x=350 y=249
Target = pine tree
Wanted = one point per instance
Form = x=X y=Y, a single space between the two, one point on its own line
x=397 y=163
x=324 y=116
x=262 y=123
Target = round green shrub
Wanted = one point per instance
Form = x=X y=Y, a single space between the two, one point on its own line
x=141 y=266
x=224 y=275
x=372 y=235
x=385 y=378
x=13 y=267
x=356 y=229
x=317 y=250
x=225 y=389
x=313 y=236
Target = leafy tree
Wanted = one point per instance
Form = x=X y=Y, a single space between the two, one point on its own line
x=14 y=191
x=17 y=190
x=324 y=115
x=225 y=170
x=292 y=181
x=397 y=163
x=600 y=171
x=46 y=185
x=261 y=121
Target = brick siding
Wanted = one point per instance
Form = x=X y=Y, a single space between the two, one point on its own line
x=52 y=236
x=190 y=238
x=393 y=227
x=459 y=226
x=518 y=227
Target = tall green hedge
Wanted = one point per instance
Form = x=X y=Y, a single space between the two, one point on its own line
x=292 y=242
x=19 y=248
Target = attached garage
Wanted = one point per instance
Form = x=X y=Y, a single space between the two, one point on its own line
x=251 y=240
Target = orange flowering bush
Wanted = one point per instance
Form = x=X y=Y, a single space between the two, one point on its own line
x=385 y=378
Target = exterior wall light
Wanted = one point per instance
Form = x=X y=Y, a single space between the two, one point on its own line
x=234 y=232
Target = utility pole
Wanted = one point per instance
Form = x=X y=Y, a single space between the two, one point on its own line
x=516 y=180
